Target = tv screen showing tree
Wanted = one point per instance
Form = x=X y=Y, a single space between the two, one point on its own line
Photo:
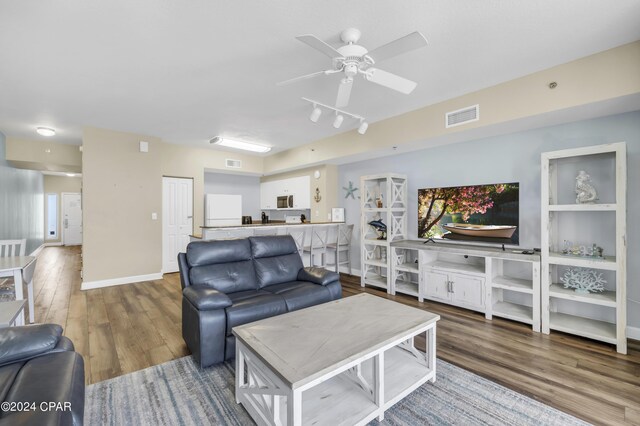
x=488 y=213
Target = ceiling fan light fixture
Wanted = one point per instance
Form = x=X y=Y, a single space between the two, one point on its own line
x=45 y=131
x=362 y=129
x=246 y=146
x=315 y=114
x=338 y=121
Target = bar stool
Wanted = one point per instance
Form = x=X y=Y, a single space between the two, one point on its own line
x=299 y=236
x=318 y=245
x=342 y=245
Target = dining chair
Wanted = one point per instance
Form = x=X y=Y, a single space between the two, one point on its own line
x=342 y=244
x=318 y=245
x=10 y=248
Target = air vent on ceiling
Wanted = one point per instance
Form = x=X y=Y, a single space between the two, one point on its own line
x=233 y=164
x=462 y=116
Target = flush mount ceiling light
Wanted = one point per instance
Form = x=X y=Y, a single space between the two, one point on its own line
x=246 y=146
x=340 y=115
x=71 y=174
x=45 y=131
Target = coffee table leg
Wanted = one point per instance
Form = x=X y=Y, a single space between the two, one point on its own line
x=294 y=408
x=17 y=281
x=378 y=365
x=239 y=371
x=431 y=351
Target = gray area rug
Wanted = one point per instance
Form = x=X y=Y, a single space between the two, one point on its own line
x=180 y=393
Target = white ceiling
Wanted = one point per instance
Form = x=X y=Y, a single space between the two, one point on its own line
x=187 y=71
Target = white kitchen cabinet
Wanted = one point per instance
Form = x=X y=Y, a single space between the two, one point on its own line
x=268 y=195
x=299 y=187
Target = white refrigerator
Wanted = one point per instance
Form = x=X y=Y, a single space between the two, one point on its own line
x=222 y=210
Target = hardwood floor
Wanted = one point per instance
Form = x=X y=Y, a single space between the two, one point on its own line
x=127 y=328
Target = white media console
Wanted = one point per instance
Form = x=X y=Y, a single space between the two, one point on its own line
x=496 y=282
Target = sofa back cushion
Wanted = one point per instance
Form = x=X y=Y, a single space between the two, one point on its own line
x=276 y=259
x=224 y=265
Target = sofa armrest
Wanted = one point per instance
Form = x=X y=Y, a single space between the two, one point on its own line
x=205 y=298
x=20 y=343
x=183 y=265
x=317 y=275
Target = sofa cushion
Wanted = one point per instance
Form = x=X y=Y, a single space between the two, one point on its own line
x=248 y=309
x=8 y=375
x=225 y=277
x=276 y=259
x=213 y=252
x=301 y=294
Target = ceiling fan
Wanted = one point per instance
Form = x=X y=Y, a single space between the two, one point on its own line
x=353 y=59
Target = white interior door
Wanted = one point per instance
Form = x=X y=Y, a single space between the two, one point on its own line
x=71 y=219
x=177 y=220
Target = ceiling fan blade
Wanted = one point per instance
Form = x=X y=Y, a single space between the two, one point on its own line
x=319 y=45
x=303 y=77
x=391 y=81
x=344 y=92
x=410 y=42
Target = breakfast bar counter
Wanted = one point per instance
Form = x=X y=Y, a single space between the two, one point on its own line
x=247 y=230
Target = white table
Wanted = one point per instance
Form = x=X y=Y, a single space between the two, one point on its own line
x=342 y=362
x=13 y=266
x=9 y=312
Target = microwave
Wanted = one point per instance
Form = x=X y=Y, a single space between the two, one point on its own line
x=285 y=202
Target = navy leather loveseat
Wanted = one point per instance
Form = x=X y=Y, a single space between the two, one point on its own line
x=233 y=282
x=41 y=377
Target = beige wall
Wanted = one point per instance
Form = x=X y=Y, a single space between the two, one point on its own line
x=122 y=187
x=44 y=155
x=604 y=76
x=58 y=185
x=327 y=184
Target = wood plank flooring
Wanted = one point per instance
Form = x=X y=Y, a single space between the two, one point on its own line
x=127 y=328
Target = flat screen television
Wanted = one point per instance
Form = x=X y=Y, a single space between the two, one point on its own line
x=477 y=213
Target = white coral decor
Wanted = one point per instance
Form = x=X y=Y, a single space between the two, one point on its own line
x=583 y=280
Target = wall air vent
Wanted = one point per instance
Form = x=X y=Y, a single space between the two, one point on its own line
x=233 y=164
x=462 y=116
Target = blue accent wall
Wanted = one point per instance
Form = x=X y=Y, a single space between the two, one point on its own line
x=21 y=203
x=515 y=157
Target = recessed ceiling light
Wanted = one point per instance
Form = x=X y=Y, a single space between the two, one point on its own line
x=247 y=146
x=45 y=131
x=71 y=174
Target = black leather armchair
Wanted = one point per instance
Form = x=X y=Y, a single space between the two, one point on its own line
x=234 y=282
x=39 y=369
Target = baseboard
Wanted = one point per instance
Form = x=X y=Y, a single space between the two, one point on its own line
x=90 y=285
x=56 y=244
x=345 y=270
x=37 y=251
x=633 y=333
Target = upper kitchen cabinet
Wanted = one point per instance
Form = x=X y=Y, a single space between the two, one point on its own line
x=298 y=188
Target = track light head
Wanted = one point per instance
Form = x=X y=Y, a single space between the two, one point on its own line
x=338 y=121
x=315 y=114
x=363 y=127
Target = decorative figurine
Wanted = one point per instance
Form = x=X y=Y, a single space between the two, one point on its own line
x=583 y=280
x=380 y=227
x=586 y=193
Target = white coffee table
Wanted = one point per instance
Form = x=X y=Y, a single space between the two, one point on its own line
x=342 y=362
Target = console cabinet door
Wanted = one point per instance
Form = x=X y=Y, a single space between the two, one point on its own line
x=436 y=285
x=467 y=290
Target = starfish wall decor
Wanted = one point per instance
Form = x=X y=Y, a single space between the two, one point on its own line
x=350 y=191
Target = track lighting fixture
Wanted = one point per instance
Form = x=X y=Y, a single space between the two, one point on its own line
x=340 y=115
x=362 y=129
x=315 y=114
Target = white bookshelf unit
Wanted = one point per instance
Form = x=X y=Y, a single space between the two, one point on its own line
x=384 y=197
x=484 y=279
x=598 y=316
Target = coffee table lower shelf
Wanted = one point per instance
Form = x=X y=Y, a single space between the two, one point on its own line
x=343 y=397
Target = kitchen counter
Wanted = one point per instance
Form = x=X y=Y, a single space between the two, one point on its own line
x=246 y=228
x=274 y=223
